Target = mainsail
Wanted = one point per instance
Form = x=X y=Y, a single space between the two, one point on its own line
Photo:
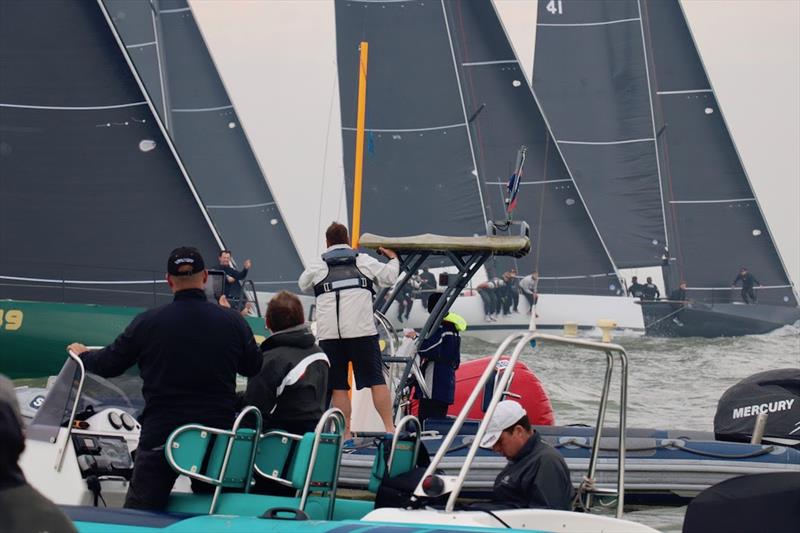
x=445 y=75
x=590 y=74
x=713 y=222
x=92 y=194
x=171 y=56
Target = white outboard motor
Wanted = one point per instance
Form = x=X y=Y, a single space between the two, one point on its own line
x=775 y=393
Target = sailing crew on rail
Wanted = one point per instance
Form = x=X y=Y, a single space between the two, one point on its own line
x=650 y=290
x=343 y=283
x=529 y=287
x=232 y=287
x=188 y=352
x=536 y=475
x=636 y=288
x=748 y=282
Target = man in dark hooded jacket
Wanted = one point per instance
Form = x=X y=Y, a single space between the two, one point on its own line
x=291 y=389
x=22 y=508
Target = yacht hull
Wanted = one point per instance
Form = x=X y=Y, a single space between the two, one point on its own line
x=35 y=347
x=673 y=319
x=554 y=310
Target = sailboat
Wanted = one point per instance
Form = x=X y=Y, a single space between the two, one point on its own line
x=659 y=169
x=169 y=52
x=93 y=194
x=448 y=106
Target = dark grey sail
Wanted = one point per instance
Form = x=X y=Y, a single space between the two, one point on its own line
x=715 y=223
x=92 y=194
x=169 y=52
x=437 y=159
x=567 y=251
x=419 y=173
x=590 y=75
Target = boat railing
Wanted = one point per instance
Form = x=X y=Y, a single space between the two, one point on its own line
x=62 y=450
x=522 y=339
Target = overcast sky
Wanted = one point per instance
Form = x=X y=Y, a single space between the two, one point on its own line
x=277 y=59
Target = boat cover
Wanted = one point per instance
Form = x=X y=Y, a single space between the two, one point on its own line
x=759 y=502
x=774 y=392
x=515 y=246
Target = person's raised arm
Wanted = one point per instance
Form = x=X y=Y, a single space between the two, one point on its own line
x=306 y=281
x=385 y=274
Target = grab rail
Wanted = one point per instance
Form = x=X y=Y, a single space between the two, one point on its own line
x=522 y=339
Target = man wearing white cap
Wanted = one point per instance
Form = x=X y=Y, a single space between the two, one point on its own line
x=536 y=475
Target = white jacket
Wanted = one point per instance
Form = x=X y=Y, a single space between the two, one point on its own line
x=355 y=305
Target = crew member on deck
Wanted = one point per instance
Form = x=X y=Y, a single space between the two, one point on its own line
x=748 y=282
x=636 y=288
x=188 y=352
x=529 y=287
x=343 y=284
x=679 y=294
x=650 y=290
x=440 y=356
x=233 y=280
x=536 y=475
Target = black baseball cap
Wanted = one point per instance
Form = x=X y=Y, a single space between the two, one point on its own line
x=185 y=255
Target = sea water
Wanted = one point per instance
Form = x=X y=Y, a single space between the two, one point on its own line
x=672 y=384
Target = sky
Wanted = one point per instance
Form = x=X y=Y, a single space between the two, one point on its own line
x=278 y=61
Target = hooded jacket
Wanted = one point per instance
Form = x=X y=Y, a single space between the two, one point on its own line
x=293 y=383
x=441 y=357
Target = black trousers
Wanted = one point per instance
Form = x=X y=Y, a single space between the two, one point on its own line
x=748 y=295
x=152 y=482
x=432 y=409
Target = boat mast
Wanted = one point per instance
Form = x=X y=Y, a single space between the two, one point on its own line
x=360 y=118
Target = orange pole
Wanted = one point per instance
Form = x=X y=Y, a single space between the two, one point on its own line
x=360 y=119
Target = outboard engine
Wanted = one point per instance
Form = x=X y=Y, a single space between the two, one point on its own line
x=775 y=393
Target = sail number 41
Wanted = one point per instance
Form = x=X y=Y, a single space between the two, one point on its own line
x=11 y=319
x=555 y=7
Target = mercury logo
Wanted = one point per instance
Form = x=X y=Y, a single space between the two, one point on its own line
x=771 y=407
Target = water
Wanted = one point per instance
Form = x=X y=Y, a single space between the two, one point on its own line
x=672 y=383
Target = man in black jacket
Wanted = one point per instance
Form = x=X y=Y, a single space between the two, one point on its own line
x=636 y=288
x=536 y=475
x=650 y=290
x=232 y=287
x=291 y=389
x=188 y=352
x=748 y=282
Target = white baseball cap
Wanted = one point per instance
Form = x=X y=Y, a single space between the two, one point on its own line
x=506 y=414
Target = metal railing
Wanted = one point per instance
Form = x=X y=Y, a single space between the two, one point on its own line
x=522 y=339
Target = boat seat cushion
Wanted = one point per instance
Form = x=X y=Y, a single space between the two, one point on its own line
x=256 y=504
x=327 y=459
x=200 y=452
x=274 y=452
x=402 y=462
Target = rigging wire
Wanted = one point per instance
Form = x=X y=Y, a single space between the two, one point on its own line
x=325 y=156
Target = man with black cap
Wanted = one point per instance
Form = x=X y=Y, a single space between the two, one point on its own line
x=536 y=475
x=22 y=508
x=189 y=352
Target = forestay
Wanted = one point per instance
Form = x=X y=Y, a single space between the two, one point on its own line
x=169 y=52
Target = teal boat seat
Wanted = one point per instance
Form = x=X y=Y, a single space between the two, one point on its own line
x=398 y=455
x=309 y=463
x=244 y=504
x=222 y=458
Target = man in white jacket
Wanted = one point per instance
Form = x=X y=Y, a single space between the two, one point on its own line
x=343 y=283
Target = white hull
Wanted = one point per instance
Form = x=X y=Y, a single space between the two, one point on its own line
x=554 y=311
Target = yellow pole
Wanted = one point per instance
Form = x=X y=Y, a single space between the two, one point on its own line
x=360 y=118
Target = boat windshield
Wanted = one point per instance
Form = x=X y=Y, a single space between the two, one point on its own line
x=123 y=392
